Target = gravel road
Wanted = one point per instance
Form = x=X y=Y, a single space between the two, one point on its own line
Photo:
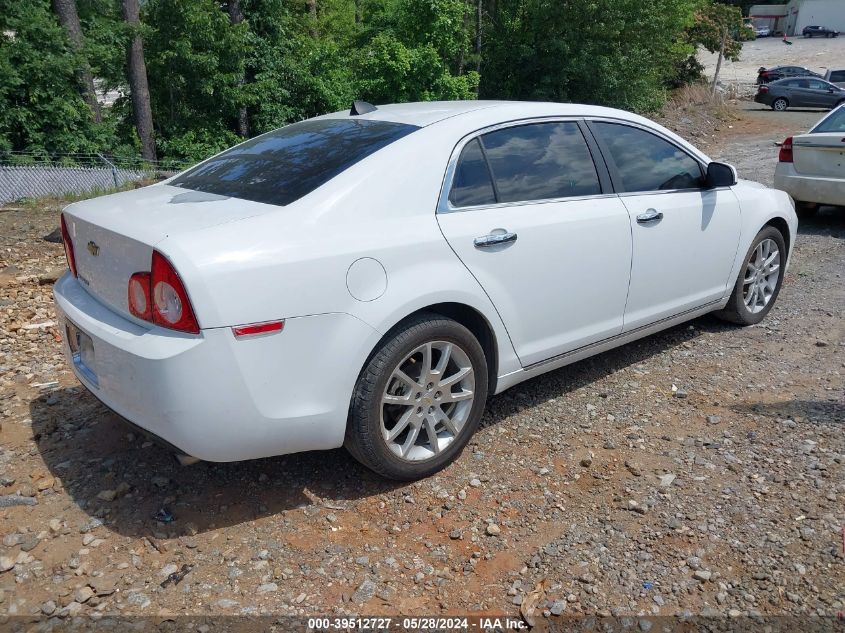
x=699 y=471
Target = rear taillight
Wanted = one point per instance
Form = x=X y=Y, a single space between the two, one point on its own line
x=785 y=155
x=68 y=244
x=763 y=89
x=159 y=296
x=139 y=296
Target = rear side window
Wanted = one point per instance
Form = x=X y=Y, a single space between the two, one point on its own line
x=837 y=75
x=472 y=185
x=646 y=162
x=284 y=165
x=833 y=123
x=540 y=161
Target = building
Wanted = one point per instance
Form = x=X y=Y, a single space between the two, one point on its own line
x=791 y=18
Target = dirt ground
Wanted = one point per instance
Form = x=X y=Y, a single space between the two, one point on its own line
x=696 y=472
x=817 y=54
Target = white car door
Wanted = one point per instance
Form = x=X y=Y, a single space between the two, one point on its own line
x=685 y=236
x=532 y=217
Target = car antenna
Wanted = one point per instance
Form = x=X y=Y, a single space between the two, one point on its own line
x=361 y=107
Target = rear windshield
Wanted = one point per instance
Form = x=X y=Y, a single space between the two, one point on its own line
x=284 y=165
x=835 y=122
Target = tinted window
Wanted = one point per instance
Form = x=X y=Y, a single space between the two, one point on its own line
x=282 y=166
x=471 y=184
x=647 y=162
x=540 y=161
x=818 y=85
x=837 y=75
x=833 y=123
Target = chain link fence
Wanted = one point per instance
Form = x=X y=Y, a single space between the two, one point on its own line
x=26 y=175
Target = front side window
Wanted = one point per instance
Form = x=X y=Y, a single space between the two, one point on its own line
x=540 y=161
x=284 y=165
x=646 y=162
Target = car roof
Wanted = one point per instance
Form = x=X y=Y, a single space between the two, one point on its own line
x=426 y=113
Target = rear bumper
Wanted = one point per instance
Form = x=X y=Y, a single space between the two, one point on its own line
x=765 y=99
x=808 y=188
x=218 y=398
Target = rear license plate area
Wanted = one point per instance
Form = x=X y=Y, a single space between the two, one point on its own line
x=82 y=353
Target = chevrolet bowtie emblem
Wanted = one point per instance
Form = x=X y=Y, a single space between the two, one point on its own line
x=93 y=248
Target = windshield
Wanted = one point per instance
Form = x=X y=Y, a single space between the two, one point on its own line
x=284 y=165
x=835 y=122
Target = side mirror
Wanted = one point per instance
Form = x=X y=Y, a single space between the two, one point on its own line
x=720 y=175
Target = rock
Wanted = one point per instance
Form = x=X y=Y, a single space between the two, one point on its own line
x=103 y=585
x=83 y=594
x=702 y=574
x=138 y=599
x=666 y=480
x=365 y=592
x=54 y=236
x=493 y=529
x=713 y=419
x=558 y=607
x=160 y=482
x=227 y=603
x=633 y=469
x=268 y=587
x=170 y=568
x=48 y=608
x=107 y=495
x=55 y=526
x=6 y=563
x=300 y=598
x=586 y=462
x=455 y=534
x=48 y=278
x=475 y=482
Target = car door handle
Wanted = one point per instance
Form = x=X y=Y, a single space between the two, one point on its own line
x=651 y=215
x=494 y=239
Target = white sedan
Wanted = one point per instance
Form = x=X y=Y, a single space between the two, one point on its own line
x=811 y=166
x=368 y=278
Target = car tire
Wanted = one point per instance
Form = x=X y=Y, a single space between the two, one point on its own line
x=780 y=104
x=748 y=306
x=414 y=350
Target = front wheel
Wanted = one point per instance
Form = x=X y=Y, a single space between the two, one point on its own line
x=419 y=399
x=759 y=280
x=780 y=104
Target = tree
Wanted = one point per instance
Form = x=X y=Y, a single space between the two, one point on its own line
x=236 y=16
x=69 y=19
x=138 y=86
x=719 y=29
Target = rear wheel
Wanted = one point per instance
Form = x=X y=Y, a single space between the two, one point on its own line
x=780 y=104
x=419 y=399
x=759 y=280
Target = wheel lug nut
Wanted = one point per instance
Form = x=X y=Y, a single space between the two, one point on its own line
x=438 y=395
x=431 y=409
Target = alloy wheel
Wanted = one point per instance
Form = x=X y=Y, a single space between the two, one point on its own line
x=761 y=276
x=427 y=400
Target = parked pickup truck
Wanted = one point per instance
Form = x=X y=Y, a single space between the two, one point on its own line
x=836 y=77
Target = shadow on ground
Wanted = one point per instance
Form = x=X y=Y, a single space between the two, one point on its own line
x=90 y=449
x=814 y=411
x=825 y=221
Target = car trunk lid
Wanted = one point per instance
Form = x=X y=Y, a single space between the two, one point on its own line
x=821 y=155
x=114 y=236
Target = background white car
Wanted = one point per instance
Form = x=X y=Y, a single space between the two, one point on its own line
x=368 y=278
x=811 y=167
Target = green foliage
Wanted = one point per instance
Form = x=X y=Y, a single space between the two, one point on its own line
x=716 y=23
x=613 y=52
x=281 y=64
x=41 y=108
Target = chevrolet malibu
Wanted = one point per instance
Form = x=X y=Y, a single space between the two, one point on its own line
x=368 y=278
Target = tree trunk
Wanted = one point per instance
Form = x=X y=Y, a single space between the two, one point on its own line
x=236 y=16
x=69 y=19
x=357 y=12
x=312 y=15
x=719 y=62
x=138 y=86
x=478 y=35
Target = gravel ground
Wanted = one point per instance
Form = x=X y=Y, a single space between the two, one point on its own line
x=699 y=471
